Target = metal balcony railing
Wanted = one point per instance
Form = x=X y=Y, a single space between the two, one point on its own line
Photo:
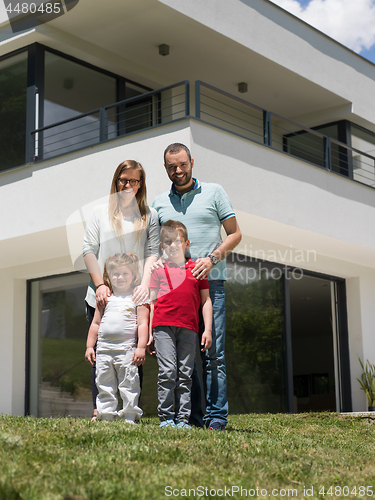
x=214 y=107
x=142 y=112
x=240 y=117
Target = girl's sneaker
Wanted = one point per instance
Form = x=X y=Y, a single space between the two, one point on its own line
x=183 y=425
x=167 y=423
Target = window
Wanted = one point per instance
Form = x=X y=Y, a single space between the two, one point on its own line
x=286 y=340
x=131 y=117
x=13 y=85
x=310 y=147
x=71 y=89
x=254 y=303
x=40 y=87
x=363 y=167
x=59 y=378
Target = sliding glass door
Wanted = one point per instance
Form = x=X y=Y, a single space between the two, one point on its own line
x=255 y=341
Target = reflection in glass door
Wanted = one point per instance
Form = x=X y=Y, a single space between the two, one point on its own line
x=255 y=338
x=287 y=344
x=315 y=357
x=59 y=377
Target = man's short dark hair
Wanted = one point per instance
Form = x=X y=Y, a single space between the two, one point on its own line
x=176 y=148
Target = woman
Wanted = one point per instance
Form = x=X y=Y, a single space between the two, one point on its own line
x=126 y=224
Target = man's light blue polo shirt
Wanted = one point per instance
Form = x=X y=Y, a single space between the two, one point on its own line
x=202 y=210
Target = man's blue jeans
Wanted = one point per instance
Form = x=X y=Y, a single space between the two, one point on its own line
x=213 y=365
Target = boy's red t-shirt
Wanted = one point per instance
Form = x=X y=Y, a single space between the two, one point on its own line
x=178 y=298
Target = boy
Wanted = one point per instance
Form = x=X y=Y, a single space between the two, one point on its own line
x=175 y=299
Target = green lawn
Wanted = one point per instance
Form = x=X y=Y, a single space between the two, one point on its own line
x=297 y=455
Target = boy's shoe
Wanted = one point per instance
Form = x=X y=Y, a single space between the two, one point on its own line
x=167 y=423
x=216 y=426
x=183 y=425
x=128 y=421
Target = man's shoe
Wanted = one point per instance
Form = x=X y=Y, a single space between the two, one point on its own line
x=167 y=423
x=183 y=425
x=216 y=426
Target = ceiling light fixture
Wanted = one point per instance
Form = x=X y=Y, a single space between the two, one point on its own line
x=164 y=49
x=68 y=83
x=242 y=87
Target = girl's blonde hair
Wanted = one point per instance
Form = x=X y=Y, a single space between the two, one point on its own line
x=122 y=259
x=114 y=213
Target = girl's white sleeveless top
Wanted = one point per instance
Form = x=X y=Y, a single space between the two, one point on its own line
x=118 y=329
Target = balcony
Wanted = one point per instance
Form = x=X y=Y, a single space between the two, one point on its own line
x=213 y=107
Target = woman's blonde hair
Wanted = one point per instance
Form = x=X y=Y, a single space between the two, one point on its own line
x=122 y=259
x=114 y=214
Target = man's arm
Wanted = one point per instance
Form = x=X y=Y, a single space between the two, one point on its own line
x=204 y=265
x=206 y=305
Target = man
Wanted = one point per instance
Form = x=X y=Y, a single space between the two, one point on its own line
x=203 y=208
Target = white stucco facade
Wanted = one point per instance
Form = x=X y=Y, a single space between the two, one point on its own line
x=282 y=203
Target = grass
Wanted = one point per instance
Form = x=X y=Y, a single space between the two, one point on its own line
x=73 y=459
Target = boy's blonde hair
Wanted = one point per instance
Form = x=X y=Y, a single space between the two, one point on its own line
x=122 y=259
x=173 y=225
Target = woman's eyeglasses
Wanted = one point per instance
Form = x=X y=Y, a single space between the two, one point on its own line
x=132 y=182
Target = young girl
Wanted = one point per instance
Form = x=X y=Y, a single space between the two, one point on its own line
x=118 y=353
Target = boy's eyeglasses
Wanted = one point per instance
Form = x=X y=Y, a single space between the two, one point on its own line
x=132 y=182
x=168 y=243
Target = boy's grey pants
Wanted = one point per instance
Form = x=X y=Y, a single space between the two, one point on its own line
x=175 y=352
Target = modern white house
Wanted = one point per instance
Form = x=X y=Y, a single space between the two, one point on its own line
x=279 y=114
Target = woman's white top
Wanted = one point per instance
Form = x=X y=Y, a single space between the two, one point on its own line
x=101 y=240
